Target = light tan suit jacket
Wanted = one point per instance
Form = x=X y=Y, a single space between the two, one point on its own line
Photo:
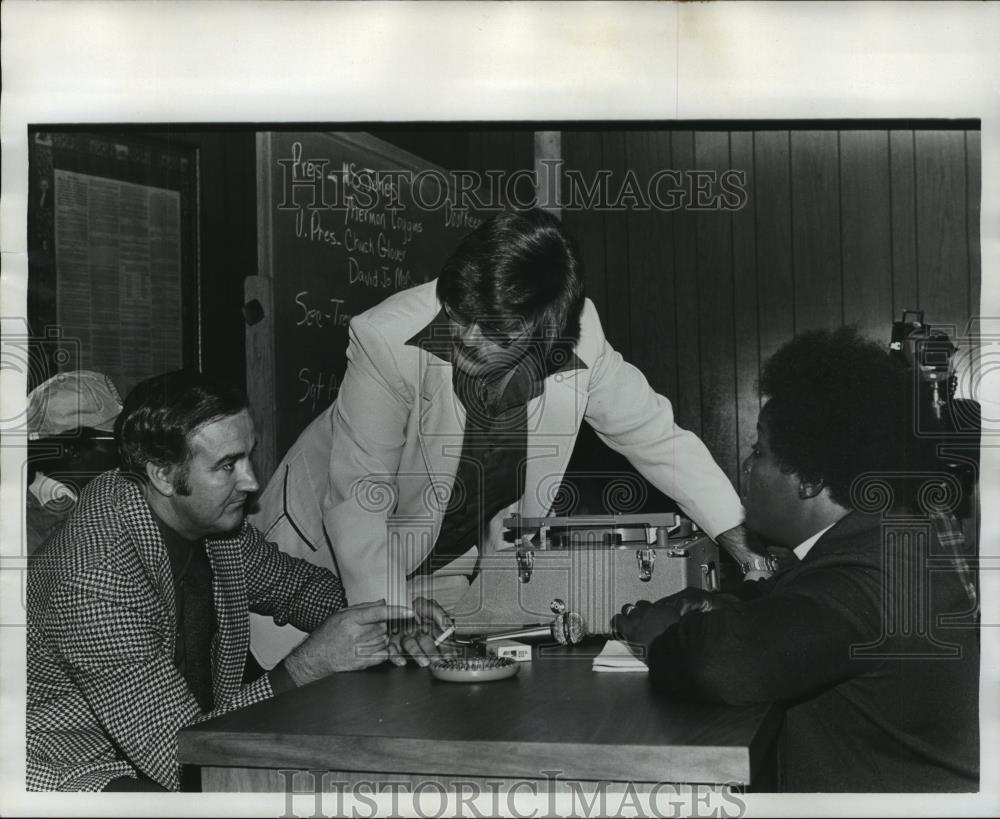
x=387 y=451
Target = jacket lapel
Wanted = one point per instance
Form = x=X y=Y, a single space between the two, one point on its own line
x=441 y=423
x=554 y=420
x=229 y=593
x=145 y=534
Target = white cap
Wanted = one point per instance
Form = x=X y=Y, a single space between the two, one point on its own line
x=78 y=398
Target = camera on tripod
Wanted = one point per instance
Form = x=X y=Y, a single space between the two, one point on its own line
x=945 y=428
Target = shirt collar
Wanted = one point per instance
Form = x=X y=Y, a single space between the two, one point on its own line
x=804 y=547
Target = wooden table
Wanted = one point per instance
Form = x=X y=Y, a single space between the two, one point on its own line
x=556 y=714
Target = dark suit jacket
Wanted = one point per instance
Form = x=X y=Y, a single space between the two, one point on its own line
x=104 y=696
x=881 y=689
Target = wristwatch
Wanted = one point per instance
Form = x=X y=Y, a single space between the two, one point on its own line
x=758 y=563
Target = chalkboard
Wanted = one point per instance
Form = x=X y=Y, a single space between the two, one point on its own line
x=344 y=220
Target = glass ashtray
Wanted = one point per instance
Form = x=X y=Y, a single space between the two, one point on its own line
x=475 y=669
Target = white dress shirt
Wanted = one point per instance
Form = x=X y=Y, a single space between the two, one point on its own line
x=803 y=548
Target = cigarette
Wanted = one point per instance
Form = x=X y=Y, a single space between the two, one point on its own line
x=444 y=635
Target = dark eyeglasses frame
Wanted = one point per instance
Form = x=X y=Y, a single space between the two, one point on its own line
x=503 y=341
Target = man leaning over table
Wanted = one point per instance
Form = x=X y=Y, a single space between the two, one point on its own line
x=461 y=403
x=138 y=608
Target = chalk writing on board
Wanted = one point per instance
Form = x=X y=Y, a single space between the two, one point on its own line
x=318 y=388
x=403 y=278
x=327 y=313
x=460 y=218
x=380 y=246
x=315 y=231
x=377 y=277
x=348 y=221
x=383 y=184
x=363 y=216
x=384 y=219
x=407 y=226
x=303 y=175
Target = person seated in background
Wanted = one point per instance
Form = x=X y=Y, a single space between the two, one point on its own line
x=138 y=607
x=462 y=401
x=880 y=692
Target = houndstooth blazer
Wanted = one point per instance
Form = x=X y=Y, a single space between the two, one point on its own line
x=104 y=698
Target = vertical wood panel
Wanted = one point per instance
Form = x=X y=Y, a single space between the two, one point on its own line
x=582 y=152
x=715 y=309
x=745 y=324
x=866 y=230
x=520 y=158
x=833 y=231
x=522 y=150
x=617 y=262
x=474 y=152
x=496 y=155
x=942 y=234
x=904 y=223
x=502 y=151
x=776 y=283
x=479 y=161
x=651 y=262
x=816 y=230
x=687 y=404
x=974 y=193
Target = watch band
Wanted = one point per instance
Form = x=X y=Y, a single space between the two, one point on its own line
x=758 y=563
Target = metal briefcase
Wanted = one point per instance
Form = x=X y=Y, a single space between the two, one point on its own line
x=590 y=565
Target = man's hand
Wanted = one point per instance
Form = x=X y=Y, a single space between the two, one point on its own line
x=348 y=640
x=417 y=639
x=690 y=599
x=755 y=566
x=641 y=623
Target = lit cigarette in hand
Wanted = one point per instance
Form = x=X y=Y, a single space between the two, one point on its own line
x=444 y=635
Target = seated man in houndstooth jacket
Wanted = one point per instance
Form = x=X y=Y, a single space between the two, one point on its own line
x=138 y=609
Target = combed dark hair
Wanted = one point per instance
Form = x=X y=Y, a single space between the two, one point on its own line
x=836 y=409
x=517 y=266
x=161 y=412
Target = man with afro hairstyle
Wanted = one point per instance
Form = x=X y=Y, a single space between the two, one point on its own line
x=869 y=640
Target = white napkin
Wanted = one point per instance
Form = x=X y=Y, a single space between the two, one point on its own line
x=616 y=656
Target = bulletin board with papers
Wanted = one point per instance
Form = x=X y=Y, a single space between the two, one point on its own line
x=112 y=238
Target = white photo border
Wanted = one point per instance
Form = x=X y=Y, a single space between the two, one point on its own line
x=178 y=61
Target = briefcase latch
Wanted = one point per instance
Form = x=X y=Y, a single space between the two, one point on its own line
x=645 y=558
x=525 y=563
x=709 y=577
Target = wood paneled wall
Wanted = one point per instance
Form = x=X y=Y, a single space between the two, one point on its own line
x=839 y=227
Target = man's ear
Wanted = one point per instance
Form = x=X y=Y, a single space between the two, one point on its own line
x=810 y=489
x=161 y=478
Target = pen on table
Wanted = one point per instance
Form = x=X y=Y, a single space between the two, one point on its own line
x=444 y=635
